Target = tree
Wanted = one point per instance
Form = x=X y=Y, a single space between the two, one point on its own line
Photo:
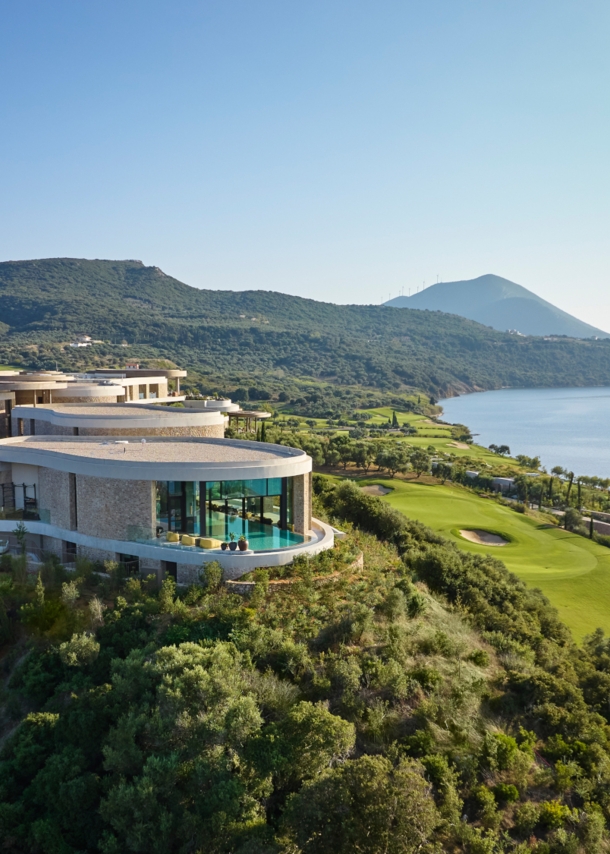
x=420 y=460
x=340 y=449
x=196 y=789
x=310 y=739
x=364 y=455
x=80 y=650
x=443 y=471
x=556 y=471
x=572 y=519
x=20 y=532
x=532 y=463
x=211 y=575
x=395 y=420
x=364 y=805
x=393 y=458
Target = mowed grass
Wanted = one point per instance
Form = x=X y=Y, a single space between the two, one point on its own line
x=431 y=434
x=572 y=571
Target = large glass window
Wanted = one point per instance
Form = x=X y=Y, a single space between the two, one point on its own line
x=221 y=508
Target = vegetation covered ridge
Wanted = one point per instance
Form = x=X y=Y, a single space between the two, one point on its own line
x=263 y=337
x=429 y=701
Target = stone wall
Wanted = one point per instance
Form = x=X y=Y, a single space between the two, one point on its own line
x=214 y=431
x=54 y=546
x=301 y=513
x=45 y=428
x=56 y=496
x=187 y=574
x=110 y=508
x=106 y=399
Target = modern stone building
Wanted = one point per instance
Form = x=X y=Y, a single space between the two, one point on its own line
x=115 y=419
x=162 y=504
x=35 y=388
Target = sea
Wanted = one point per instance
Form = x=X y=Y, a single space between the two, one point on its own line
x=568 y=427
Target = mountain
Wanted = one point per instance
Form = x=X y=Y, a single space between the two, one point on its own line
x=270 y=340
x=501 y=304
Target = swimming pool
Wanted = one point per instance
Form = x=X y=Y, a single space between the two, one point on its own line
x=261 y=538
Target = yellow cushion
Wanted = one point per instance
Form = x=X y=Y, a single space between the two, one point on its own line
x=187 y=540
x=209 y=543
x=172 y=537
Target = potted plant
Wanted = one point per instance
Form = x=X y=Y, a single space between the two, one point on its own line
x=224 y=546
x=232 y=544
x=242 y=544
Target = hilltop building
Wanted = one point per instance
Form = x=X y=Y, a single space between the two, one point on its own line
x=39 y=387
x=162 y=504
x=95 y=471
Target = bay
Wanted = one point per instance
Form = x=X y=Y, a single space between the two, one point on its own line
x=568 y=427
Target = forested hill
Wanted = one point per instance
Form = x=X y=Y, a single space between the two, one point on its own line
x=268 y=335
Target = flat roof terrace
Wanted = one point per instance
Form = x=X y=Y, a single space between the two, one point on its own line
x=158 y=458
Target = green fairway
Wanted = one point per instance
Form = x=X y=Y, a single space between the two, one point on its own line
x=572 y=571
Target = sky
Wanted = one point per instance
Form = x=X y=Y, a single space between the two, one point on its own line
x=336 y=149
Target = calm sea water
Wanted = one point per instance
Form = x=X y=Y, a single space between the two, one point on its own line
x=567 y=427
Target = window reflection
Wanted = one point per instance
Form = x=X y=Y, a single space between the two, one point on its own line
x=221 y=508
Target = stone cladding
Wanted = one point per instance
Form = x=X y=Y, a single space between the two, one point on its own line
x=106 y=399
x=46 y=428
x=213 y=431
x=55 y=496
x=109 y=508
x=301 y=512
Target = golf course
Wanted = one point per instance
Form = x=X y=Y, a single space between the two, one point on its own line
x=572 y=571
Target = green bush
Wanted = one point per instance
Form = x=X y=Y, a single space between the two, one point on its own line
x=527 y=816
x=506 y=793
x=427 y=677
x=554 y=814
x=479 y=657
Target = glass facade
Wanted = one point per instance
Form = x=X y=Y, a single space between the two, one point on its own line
x=255 y=509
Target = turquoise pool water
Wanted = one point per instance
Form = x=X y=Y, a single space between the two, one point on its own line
x=259 y=541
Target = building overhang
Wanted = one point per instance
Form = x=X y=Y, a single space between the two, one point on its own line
x=126 y=459
x=133 y=415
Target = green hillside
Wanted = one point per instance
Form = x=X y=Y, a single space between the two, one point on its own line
x=571 y=570
x=268 y=336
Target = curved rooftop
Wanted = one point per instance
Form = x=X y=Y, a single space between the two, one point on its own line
x=187 y=459
x=117 y=415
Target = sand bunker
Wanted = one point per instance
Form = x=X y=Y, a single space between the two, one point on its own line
x=483 y=538
x=461 y=445
x=376 y=489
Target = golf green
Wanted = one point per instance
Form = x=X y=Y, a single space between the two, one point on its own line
x=572 y=571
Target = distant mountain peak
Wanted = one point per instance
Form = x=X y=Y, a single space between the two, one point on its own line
x=501 y=304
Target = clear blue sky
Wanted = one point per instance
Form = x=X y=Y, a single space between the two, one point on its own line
x=336 y=150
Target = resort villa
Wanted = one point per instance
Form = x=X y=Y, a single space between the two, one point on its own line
x=155 y=487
